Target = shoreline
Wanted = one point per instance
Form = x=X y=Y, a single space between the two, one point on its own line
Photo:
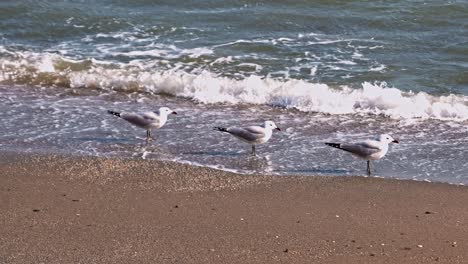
x=62 y=209
x=189 y=137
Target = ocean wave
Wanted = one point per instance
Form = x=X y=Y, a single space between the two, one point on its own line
x=210 y=88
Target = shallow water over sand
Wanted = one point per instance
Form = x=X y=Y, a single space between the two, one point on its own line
x=39 y=120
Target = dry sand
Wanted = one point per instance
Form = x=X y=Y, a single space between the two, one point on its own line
x=93 y=210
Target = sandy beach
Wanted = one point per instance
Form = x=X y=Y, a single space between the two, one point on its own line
x=93 y=210
x=128 y=127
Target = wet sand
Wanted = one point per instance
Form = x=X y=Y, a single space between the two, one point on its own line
x=93 y=210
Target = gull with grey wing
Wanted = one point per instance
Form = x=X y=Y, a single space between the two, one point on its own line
x=367 y=150
x=146 y=120
x=252 y=135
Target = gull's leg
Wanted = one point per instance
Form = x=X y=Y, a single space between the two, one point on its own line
x=148 y=135
x=368 y=168
x=253 y=150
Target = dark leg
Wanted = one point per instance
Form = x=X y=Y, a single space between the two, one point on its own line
x=148 y=135
x=368 y=168
x=253 y=150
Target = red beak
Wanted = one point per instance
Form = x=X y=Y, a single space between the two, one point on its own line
x=396 y=141
x=174 y=113
x=279 y=129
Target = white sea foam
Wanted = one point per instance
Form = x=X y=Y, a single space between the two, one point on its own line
x=378 y=68
x=207 y=87
x=305 y=96
x=313 y=70
x=251 y=65
x=300 y=35
x=222 y=60
x=45 y=64
x=196 y=52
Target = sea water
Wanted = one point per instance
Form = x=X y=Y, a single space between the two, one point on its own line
x=324 y=71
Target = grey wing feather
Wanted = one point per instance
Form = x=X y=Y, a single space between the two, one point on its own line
x=247 y=133
x=255 y=130
x=151 y=116
x=136 y=119
x=363 y=149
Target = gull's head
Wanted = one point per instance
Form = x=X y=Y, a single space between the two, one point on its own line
x=166 y=111
x=386 y=138
x=271 y=125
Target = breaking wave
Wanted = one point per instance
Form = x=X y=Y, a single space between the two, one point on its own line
x=47 y=69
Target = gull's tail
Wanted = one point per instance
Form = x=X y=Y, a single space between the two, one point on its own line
x=113 y=113
x=335 y=145
x=222 y=129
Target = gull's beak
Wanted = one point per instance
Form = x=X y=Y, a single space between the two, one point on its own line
x=396 y=141
x=279 y=129
x=174 y=113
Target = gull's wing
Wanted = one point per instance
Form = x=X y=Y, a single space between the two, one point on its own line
x=136 y=119
x=251 y=133
x=150 y=116
x=255 y=130
x=362 y=149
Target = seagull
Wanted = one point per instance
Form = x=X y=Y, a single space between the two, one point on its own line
x=367 y=150
x=146 y=120
x=252 y=134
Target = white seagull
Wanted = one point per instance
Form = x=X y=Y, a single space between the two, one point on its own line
x=367 y=150
x=252 y=135
x=146 y=120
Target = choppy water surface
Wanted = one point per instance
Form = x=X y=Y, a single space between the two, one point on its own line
x=324 y=71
